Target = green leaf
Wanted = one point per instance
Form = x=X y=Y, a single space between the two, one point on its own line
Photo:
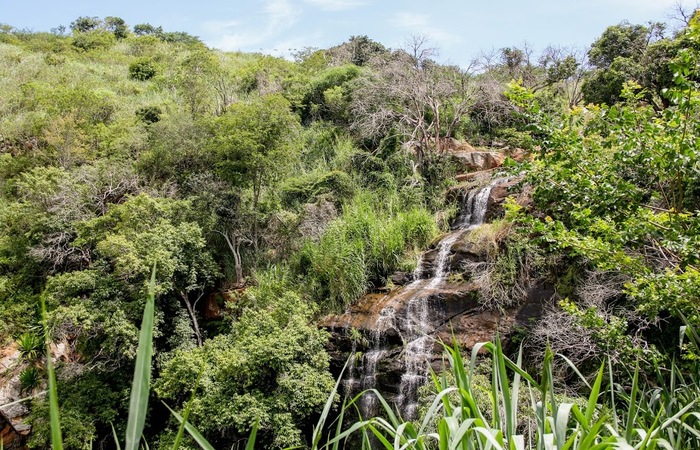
x=196 y=435
x=138 y=403
x=251 y=440
x=181 y=430
x=56 y=438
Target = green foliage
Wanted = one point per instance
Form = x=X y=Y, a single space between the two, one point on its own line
x=142 y=70
x=614 y=193
x=93 y=40
x=29 y=378
x=328 y=95
x=253 y=376
x=84 y=24
x=364 y=245
x=149 y=114
x=117 y=26
x=253 y=141
x=626 y=53
x=336 y=184
x=30 y=346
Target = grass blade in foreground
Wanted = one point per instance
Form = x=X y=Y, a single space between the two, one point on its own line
x=196 y=435
x=56 y=438
x=251 y=440
x=181 y=430
x=138 y=403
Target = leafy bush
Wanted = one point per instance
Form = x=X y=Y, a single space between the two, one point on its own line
x=271 y=369
x=142 y=70
x=310 y=187
x=149 y=114
x=94 y=40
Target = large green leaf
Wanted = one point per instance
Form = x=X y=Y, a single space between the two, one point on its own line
x=138 y=403
x=56 y=438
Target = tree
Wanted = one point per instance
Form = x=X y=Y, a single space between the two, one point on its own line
x=254 y=142
x=143 y=231
x=195 y=78
x=565 y=68
x=408 y=91
x=622 y=54
x=84 y=24
x=117 y=26
x=272 y=369
x=146 y=29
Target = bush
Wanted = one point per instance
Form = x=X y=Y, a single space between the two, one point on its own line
x=142 y=70
x=149 y=114
x=94 y=40
x=310 y=187
x=29 y=378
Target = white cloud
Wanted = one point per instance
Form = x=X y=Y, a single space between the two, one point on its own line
x=421 y=24
x=277 y=17
x=336 y=5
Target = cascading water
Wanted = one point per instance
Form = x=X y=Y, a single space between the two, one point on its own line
x=415 y=327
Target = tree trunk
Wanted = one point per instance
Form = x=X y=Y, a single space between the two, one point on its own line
x=193 y=317
x=234 y=244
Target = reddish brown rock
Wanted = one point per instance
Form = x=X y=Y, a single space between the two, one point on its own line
x=211 y=309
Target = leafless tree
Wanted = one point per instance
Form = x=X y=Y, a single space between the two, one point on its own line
x=408 y=91
x=566 y=335
x=564 y=68
x=681 y=13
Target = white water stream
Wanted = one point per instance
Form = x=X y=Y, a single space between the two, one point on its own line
x=416 y=327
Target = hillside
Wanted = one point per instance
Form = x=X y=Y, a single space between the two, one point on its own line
x=273 y=195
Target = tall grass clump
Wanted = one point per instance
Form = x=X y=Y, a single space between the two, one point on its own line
x=370 y=240
x=613 y=413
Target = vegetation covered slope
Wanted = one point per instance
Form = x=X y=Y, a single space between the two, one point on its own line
x=278 y=190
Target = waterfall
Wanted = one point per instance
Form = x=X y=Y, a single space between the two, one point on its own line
x=415 y=327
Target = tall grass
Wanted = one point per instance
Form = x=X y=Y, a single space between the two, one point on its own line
x=369 y=241
x=624 y=414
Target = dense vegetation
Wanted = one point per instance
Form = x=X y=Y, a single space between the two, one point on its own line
x=268 y=192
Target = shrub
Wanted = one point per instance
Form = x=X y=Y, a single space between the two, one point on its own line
x=149 y=114
x=309 y=187
x=30 y=346
x=94 y=40
x=142 y=70
x=29 y=378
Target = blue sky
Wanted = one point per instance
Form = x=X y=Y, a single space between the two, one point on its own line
x=460 y=29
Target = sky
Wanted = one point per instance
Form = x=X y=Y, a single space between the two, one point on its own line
x=460 y=29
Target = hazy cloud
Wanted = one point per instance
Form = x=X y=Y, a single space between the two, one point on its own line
x=336 y=5
x=277 y=17
x=421 y=24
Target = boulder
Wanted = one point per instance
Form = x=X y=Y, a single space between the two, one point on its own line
x=477 y=160
x=401 y=278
